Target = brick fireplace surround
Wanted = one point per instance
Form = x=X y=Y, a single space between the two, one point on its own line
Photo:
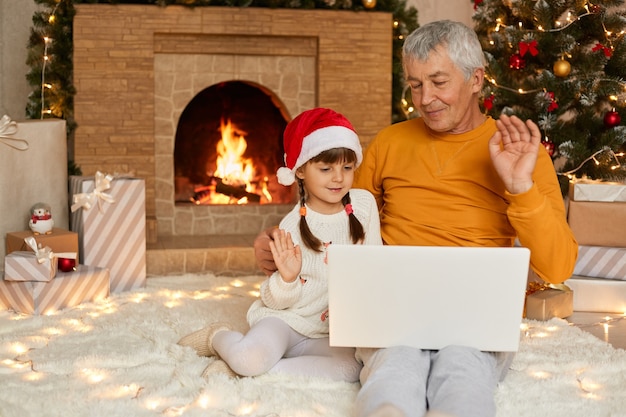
x=137 y=67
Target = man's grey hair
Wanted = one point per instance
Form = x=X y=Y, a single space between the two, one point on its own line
x=460 y=41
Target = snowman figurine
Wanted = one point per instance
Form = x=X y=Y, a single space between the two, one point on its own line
x=41 y=222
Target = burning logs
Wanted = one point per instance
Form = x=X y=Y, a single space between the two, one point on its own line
x=202 y=195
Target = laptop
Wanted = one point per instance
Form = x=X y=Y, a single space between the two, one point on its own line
x=427 y=297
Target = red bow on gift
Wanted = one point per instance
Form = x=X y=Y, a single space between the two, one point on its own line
x=528 y=47
x=599 y=47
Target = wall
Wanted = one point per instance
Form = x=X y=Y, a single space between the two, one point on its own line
x=431 y=10
x=15 y=23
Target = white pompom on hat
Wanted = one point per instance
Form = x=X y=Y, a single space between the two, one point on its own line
x=311 y=133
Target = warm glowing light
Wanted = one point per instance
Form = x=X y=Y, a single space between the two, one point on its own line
x=139 y=297
x=172 y=303
x=234 y=180
x=541 y=375
x=94 y=376
x=53 y=331
x=16 y=364
x=205 y=401
x=32 y=376
x=202 y=295
x=19 y=348
x=246 y=409
x=152 y=404
x=232 y=167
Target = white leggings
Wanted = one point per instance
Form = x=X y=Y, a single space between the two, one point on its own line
x=272 y=346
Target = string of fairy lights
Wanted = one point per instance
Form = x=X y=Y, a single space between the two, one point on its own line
x=47 y=40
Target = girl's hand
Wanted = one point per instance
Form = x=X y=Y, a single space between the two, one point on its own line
x=287 y=256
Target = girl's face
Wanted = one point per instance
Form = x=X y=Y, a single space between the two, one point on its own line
x=326 y=184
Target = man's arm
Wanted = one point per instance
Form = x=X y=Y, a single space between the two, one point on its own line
x=263 y=253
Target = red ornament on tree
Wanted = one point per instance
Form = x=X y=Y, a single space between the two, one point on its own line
x=612 y=119
x=595 y=8
x=549 y=145
x=488 y=102
x=516 y=62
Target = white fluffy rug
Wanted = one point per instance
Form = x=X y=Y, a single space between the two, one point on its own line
x=120 y=358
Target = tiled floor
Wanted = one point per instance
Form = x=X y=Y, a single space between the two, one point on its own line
x=609 y=327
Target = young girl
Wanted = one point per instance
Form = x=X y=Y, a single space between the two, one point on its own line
x=289 y=323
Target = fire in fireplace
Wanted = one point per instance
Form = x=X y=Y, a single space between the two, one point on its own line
x=228 y=146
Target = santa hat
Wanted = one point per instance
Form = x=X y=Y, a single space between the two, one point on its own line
x=311 y=133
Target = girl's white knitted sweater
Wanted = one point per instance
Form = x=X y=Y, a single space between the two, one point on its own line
x=303 y=304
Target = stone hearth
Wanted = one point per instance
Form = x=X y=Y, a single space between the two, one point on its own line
x=136 y=68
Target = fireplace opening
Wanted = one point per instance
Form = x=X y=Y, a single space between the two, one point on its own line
x=228 y=147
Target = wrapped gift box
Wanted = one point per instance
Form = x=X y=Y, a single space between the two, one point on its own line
x=25 y=266
x=598 y=294
x=33 y=169
x=67 y=289
x=544 y=303
x=597 y=191
x=601 y=221
x=601 y=262
x=111 y=226
x=59 y=240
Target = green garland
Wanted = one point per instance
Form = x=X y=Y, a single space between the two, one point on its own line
x=55 y=21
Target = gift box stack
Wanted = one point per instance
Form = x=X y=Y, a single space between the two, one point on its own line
x=40 y=270
x=42 y=280
x=597 y=217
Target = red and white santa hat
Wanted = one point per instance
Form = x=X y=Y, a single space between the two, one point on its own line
x=311 y=133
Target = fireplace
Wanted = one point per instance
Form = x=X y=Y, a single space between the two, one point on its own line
x=228 y=146
x=140 y=70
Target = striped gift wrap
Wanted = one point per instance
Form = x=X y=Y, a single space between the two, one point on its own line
x=113 y=234
x=601 y=262
x=67 y=289
x=24 y=266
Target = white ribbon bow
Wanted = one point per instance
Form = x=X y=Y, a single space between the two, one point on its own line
x=9 y=127
x=43 y=254
x=87 y=200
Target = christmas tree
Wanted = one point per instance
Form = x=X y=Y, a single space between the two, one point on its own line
x=562 y=64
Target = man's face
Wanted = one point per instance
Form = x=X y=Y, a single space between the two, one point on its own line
x=444 y=99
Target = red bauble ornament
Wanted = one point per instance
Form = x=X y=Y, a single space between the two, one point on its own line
x=612 y=119
x=67 y=264
x=516 y=62
x=549 y=145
